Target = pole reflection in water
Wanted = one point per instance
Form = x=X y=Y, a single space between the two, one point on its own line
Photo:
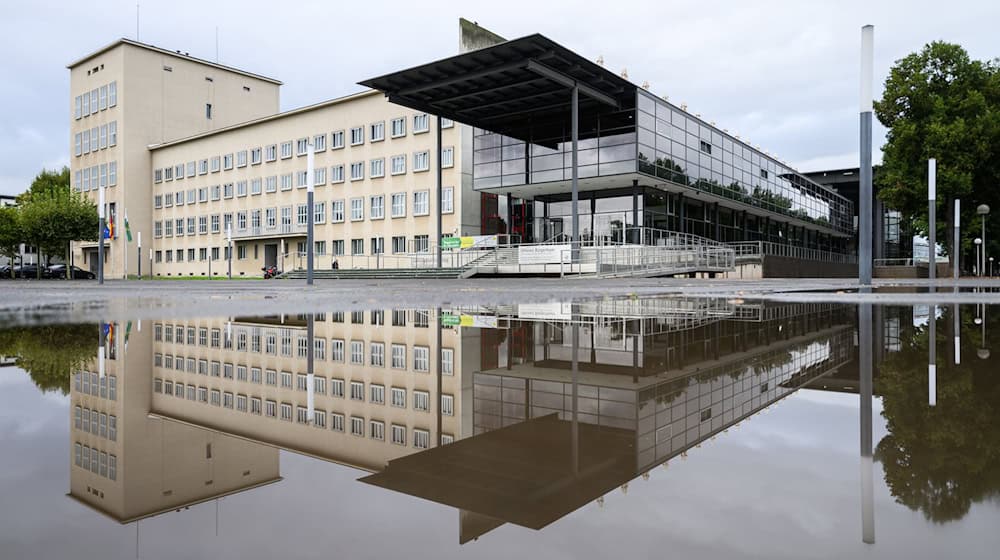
x=865 y=343
x=932 y=356
x=310 y=369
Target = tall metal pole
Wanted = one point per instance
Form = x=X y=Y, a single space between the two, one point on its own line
x=440 y=231
x=138 y=254
x=956 y=246
x=151 y=263
x=865 y=195
x=865 y=343
x=100 y=236
x=932 y=219
x=575 y=198
x=310 y=193
x=229 y=243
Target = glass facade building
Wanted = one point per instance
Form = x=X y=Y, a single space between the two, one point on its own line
x=656 y=166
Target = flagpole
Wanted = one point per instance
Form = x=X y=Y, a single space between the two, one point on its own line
x=100 y=236
x=125 y=247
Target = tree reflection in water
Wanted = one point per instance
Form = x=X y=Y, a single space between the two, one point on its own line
x=50 y=353
x=940 y=460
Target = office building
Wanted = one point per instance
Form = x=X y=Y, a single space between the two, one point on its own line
x=192 y=150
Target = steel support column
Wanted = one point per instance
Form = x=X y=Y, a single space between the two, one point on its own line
x=440 y=232
x=575 y=197
x=635 y=212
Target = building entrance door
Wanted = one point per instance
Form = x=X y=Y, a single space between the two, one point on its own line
x=270 y=254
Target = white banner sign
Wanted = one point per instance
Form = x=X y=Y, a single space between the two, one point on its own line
x=543 y=254
x=561 y=311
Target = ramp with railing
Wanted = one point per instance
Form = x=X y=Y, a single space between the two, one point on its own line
x=629 y=252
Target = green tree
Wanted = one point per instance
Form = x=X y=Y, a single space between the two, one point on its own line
x=940 y=460
x=11 y=234
x=939 y=103
x=46 y=183
x=52 y=214
x=50 y=353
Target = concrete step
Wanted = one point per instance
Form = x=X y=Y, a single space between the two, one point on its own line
x=360 y=273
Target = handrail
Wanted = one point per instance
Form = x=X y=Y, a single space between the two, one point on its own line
x=760 y=249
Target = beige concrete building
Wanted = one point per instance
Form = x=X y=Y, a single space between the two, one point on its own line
x=375 y=190
x=129 y=95
x=130 y=465
x=375 y=390
x=186 y=148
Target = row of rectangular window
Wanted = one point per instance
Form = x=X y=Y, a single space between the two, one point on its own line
x=421 y=243
x=96 y=422
x=92 y=384
x=271 y=377
x=340 y=351
x=283 y=410
x=96 y=461
x=97 y=99
x=376 y=169
x=96 y=177
x=97 y=138
x=166 y=332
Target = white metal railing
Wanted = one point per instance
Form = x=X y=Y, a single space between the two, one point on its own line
x=903 y=262
x=760 y=249
x=639 y=260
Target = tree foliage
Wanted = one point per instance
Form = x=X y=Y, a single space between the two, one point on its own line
x=940 y=460
x=50 y=353
x=939 y=103
x=11 y=234
x=51 y=214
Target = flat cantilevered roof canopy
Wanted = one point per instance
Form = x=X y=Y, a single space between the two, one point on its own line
x=509 y=88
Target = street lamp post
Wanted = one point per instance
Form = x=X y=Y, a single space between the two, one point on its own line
x=979 y=247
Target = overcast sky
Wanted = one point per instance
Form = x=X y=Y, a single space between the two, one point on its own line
x=783 y=73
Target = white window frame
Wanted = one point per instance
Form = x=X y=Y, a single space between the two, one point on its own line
x=397 y=127
x=398 y=205
x=397 y=164
x=377 y=131
x=421 y=203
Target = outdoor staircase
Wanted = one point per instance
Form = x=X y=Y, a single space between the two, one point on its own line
x=380 y=273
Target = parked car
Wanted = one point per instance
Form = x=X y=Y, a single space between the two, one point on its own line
x=29 y=271
x=59 y=271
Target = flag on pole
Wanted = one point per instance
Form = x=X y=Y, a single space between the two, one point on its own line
x=128 y=231
x=128 y=326
x=109 y=228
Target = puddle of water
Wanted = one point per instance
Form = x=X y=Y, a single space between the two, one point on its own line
x=717 y=427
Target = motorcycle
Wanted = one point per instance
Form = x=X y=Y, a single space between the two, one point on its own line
x=270 y=272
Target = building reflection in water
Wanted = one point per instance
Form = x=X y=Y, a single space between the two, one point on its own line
x=516 y=414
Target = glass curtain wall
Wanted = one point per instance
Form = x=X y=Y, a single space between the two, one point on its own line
x=675 y=146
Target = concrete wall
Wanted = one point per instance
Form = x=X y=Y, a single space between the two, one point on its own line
x=788 y=267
